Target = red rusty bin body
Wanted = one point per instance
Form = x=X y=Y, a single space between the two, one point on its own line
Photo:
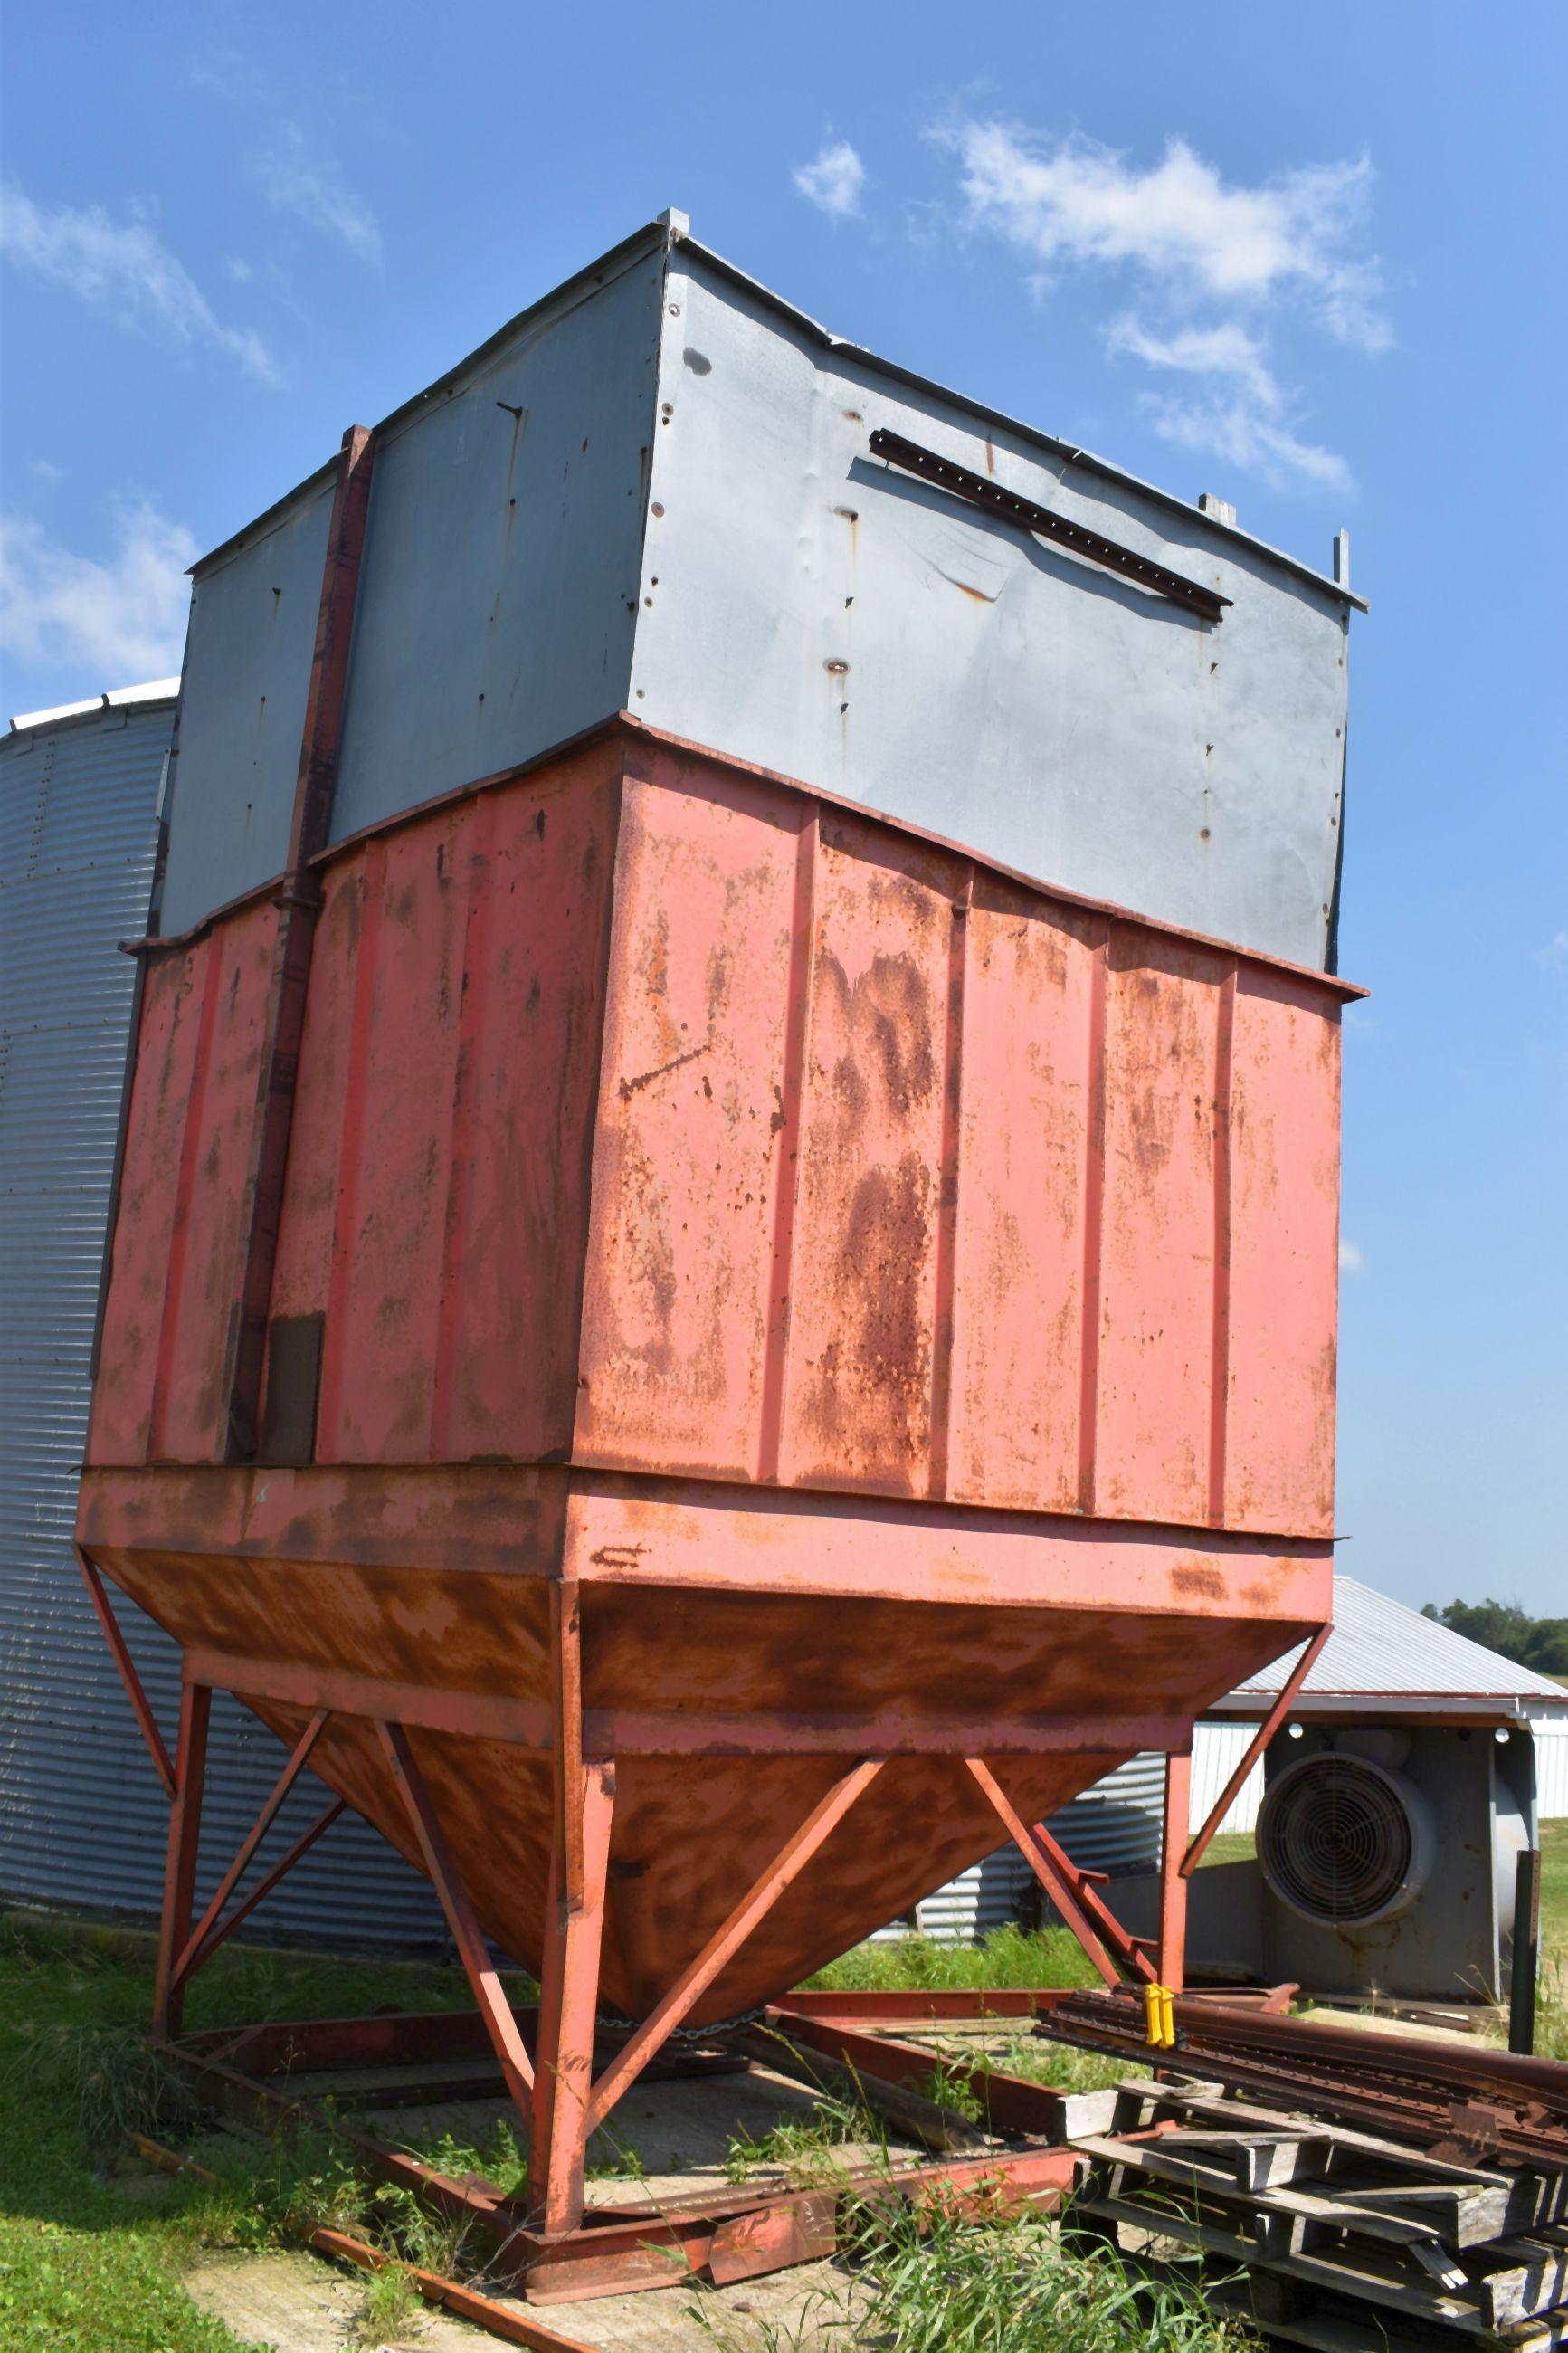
x=901 y=1299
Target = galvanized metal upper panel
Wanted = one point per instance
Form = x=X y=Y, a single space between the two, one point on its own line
x=807 y=607
x=242 y=712
x=774 y=592
x=503 y=554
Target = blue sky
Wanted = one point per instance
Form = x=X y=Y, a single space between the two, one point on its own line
x=1305 y=259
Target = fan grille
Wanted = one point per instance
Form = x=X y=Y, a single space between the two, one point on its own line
x=1334 y=1840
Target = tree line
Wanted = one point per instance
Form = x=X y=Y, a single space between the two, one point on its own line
x=1538 y=1642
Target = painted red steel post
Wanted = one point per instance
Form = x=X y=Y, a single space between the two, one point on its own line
x=568 y=2002
x=180 y=1872
x=1172 y=1879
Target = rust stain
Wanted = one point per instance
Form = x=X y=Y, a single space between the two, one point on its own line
x=630 y=1087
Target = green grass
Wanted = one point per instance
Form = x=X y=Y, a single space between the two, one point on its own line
x=1554 y=1882
x=91 y=2249
x=1229 y=1846
x=1008 y=1956
x=935 y=2282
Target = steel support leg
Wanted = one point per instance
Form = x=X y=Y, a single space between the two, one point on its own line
x=1172 y=1879
x=569 y=2001
x=180 y=1871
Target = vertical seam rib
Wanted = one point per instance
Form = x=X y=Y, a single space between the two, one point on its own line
x=787 y=1198
x=1090 y=1305
x=943 y=1333
x=473 y=999
x=1219 y=1349
x=179 y=1239
x=350 y=1146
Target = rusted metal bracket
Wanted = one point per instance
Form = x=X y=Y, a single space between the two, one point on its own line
x=298 y=901
x=1255 y=1749
x=1009 y=507
x=140 y=1705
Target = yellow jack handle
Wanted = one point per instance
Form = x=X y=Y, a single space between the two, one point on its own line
x=1160 y=2017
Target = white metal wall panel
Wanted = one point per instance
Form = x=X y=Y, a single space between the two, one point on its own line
x=83 y=1824
x=1550 y=1763
x=1217 y=1750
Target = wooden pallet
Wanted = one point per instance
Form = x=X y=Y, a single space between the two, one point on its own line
x=1338 y=2231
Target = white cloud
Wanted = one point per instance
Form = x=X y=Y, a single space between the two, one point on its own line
x=1240 y=421
x=833 y=182
x=115 y=621
x=1224 y=351
x=1351 y=1259
x=1068 y=200
x=1193 y=244
x=1235 y=429
x=122 y=264
x=310 y=186
x=1553 y=956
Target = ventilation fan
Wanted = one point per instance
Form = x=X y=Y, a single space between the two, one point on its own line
x=1343 y=1841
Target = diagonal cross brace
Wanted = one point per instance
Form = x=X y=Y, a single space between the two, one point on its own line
x=141 y=1707
x=1255 y=1749
x=489 y=1993
x=694 y=1981
x=1092 y=1922
x=203 y=1935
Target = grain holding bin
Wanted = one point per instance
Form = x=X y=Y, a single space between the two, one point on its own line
x=726 y=1259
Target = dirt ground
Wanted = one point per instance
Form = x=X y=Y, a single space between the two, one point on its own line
x=302 y=2303
x=681 y=2132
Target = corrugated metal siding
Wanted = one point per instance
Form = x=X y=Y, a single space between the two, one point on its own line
x=1550 y=1764
x=1380 y=1648
x=82 y=1819
x=1217 y=1750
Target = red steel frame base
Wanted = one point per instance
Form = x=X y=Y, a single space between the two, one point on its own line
x=546 y=2057
x=715 y=2236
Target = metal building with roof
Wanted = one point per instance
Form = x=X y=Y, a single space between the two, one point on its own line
x=1382 y=1661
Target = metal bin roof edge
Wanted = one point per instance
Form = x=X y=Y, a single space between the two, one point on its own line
x=1348 y=991
x=158 y=693
x=668 y=232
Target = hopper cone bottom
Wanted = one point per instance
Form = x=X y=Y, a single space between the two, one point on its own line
x=462 y=1655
